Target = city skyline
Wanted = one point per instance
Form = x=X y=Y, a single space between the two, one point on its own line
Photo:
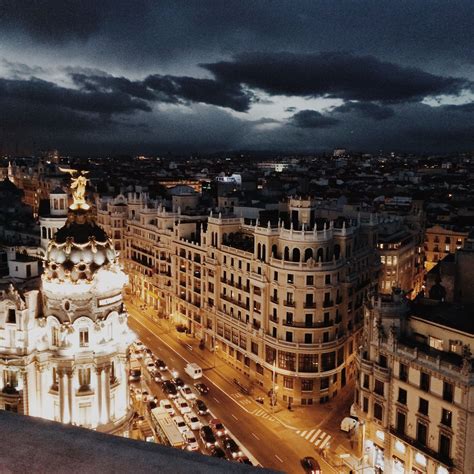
x=155 y=77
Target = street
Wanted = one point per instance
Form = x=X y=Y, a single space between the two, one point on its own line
x=269 y=442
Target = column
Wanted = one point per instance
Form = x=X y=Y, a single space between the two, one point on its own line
x=70 y=395
x=26 y=404
x=61 y=394
x=107 y=393
x=99 y=394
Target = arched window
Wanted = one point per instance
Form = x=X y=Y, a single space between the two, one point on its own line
x=287 y=254
x=308 y=253
x=264 y=252
x=320 y=255
x=43 y=232
x=274 y=250
x=259 y=251
x=296 y=255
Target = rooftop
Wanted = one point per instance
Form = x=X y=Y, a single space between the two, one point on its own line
x=35 y=445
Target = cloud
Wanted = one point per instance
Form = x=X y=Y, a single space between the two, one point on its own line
x=312 y=119
x=16 y=69
x=366 y=109
x=333 y=74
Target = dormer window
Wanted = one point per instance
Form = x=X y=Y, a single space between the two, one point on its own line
x=11 y=318
x=84 y=337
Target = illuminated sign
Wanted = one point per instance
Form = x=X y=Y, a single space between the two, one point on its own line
x=111 y=300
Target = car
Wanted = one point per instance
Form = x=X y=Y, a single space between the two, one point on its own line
x=244 y=460
x=148 y=361
x=182 y=405
x=149 y=352
x=151 y=368
x=151 y=404
x=146 y=396
x=135 y=375
x=137 y=393
x=181 y=424
x=161 y=364
x=310 y=465
x=207 y=436
x=179 y=382
x=170 y=389
x=201 y=407
x=187 y=393
x=348 y=424
x=158 y=376
x=217 y=452
x=139 y=345
x=217 y=427
x=192 y=420
x=192 y=444
x=202 y=388
x=166 y=405
x=233 y=448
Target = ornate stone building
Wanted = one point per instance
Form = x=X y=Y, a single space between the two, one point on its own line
x=64 y=345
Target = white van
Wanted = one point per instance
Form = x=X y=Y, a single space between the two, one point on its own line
x=193 y=370
x=348 y=424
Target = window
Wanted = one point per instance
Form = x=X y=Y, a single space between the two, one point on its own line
x=247 y=361
x=448 y=392
x=365 y=405
x=446 y=417
x=308 y=321
x=424 y=381
x=254 y=348
x=289 y=336
x=401 y=422
x=259 y=369
x=83 y=337
x=365 y=383
x=403 y=374
x=421 y=433
x=307 y=385
x=324 y=383
x=11 y=316
x=328 y=361
x=423 y=406
x=402 y=396
x=55 y=336
x=288 y=382
x=84 y=379
x=379 y=387
x=286 y=360
x=378 y=411
x=308 y=363
x=289 y=319
x=291 y=278
x=308 y=338
x=275 y=276
x=444 y=445
x=310 y=280
x=327 y=279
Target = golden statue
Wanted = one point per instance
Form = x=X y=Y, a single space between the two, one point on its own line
x=78 y=186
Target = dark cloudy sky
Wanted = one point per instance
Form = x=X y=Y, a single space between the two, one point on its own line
x=147 y=76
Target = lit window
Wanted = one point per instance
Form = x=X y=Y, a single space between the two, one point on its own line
x=380 y=435
x=84 y=337
x=400 y=447
x=420 y=459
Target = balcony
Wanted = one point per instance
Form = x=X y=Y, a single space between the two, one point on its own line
x=447 y=461
x=289 y=303
x=328 y=303
x=309 y=305
x=274 y=299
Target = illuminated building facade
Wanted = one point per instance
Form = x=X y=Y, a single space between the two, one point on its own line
x=64 y=346
x=441 y=241
x=279 y=301
x=415 y=388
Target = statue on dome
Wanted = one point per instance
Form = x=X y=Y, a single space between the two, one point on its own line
x=78 y=186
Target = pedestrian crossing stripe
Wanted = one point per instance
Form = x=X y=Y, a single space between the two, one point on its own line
x=263 y=414
x=317 y=437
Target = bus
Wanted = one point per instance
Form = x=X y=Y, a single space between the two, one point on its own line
x=166 y=429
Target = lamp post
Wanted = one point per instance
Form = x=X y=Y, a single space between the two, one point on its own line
x=216 y=346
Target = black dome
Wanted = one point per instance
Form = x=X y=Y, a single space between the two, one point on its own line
x=80 y=233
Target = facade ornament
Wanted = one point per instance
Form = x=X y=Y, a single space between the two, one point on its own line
x=78 y=187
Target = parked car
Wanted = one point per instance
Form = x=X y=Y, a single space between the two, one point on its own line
x=182 y=405
x=348 y=424
x=181 y=424
x=179 y=382
x=187 y=393
x=139 y=345
x=233 y=448
x=192 y=444
x=310 y=465
x=207 y=436
x=137 y=392
x=217 y=452
x=161 y=364
x=148 y=361
x=135 y=375
x=166 y=404
x=151 y=368
x=192 y=420
x=217 y=427
x=201 y=407
x=202 y=388
x=170 y=389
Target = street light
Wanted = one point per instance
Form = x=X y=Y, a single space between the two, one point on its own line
x=216 y=346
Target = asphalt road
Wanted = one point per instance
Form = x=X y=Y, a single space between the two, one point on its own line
x=270 y=443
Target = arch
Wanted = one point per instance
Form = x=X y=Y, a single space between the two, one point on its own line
x=308 y=253
x=264 y=252
x=274 y=250
x=296 y=254
x=287 y=254
x=320 y=255
x=259 y=251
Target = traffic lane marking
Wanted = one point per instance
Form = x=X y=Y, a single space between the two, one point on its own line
x=255 y=436
x=234 y=417
x=279 y=458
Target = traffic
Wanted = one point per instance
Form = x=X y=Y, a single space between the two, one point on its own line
x=170 y=411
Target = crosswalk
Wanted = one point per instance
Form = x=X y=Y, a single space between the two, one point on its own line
x=317 y=437
x=263 y=414
x=241 y=398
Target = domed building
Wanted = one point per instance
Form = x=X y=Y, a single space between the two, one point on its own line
x=64 y=346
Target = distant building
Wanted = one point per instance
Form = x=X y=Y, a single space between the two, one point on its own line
x=440 y=241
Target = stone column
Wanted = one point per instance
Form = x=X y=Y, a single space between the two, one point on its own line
x=107 y=392
x=61 y=394
x=70 y=394
x=99 y=394
x=26 y=402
